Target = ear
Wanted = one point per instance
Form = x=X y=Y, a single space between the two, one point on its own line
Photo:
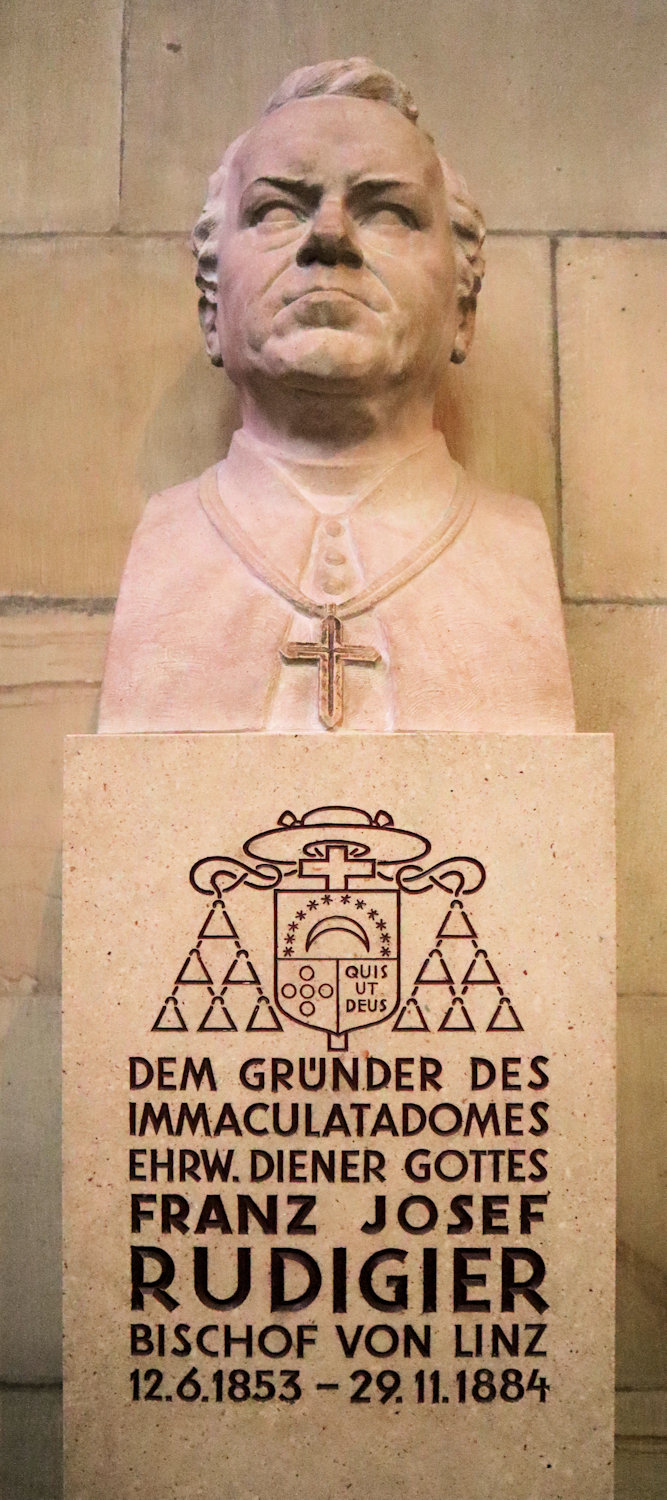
x=208 y=317
x=467 y=309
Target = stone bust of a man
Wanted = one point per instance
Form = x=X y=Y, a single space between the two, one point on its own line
x=338 y=570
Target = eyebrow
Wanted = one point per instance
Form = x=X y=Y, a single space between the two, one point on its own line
x=300 y=185
x=284 y=184
x=382 y=184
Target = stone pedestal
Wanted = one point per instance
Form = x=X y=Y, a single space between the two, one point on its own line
x=339 y=1117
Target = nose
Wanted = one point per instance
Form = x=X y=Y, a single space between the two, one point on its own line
x=331 y=239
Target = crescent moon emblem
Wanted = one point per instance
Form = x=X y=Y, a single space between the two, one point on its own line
x=336 y=924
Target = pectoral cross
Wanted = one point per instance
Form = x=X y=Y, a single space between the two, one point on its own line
x=331 y=655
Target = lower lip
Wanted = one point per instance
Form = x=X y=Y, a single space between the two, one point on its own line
x=325 y=293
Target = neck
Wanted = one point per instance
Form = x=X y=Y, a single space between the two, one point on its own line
x=306 y=426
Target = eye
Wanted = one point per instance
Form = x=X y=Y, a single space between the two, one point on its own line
x=276 y=213
x=391 y=216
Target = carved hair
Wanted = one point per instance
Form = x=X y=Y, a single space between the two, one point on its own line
x=360 y=79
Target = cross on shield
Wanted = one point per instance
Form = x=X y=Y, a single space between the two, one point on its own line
x=337 y=945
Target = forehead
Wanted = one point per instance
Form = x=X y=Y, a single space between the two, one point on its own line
x=335 y=138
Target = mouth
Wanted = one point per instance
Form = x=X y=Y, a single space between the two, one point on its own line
x=314 y=293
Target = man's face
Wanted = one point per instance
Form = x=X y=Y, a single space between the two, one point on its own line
x=336 y=256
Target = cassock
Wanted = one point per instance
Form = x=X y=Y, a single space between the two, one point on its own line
x=448 y=584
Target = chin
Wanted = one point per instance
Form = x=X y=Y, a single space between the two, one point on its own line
x=333 y=355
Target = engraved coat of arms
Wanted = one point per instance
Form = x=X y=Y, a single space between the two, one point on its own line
x=338 y=876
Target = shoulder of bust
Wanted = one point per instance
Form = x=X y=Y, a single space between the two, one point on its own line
x=167 y=514
x=504 y=505
x=175 y=499
x=500 y=513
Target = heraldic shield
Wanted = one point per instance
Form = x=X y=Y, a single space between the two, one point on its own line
x=337 y=953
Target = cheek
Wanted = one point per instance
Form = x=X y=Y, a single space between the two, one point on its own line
x=423 y=301
x=249 y=268
x=434 y=295
x=246 y=314
x=418 y=281
x=239 y=307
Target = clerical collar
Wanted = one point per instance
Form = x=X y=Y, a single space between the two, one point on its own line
x=400 y=512
x=331 y=488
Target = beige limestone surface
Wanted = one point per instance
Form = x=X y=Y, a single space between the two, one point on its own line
x=618 y=652
x=554 y=112
x=612 y=311
x=33 y=724
x=60 y=115
x=642 y=1117
x=30 y=1223
x=535 y=813
x=497 y=410
x=116 y=335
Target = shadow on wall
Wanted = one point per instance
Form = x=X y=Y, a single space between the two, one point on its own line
x=30 y=1214
x=190 y=428
x=641 y=1303
x=450 y=418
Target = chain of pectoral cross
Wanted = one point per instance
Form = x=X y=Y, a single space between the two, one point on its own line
x=332 y=653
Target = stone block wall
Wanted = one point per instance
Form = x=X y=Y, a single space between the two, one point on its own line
x=113 y=116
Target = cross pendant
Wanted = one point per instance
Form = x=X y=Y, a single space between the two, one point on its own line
x=331 y=655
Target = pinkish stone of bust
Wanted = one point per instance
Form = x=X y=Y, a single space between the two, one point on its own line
x=337 y=570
